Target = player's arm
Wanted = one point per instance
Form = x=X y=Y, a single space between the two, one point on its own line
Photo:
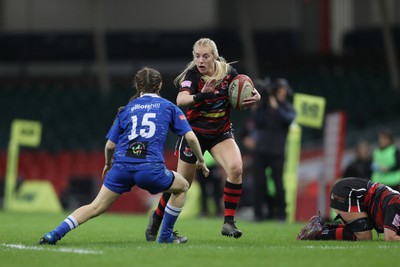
x=184 y=97
x=195 y=146
x=390 y=235
x=108 y=153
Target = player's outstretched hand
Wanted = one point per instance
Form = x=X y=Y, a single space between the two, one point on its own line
x=202 y=166
x=209 y=86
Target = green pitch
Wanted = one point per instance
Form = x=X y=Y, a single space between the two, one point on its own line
x=118 y=240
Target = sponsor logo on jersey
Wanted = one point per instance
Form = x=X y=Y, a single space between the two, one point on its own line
x=186 y=84
x=188 y=152
x=137 y=150
x=146 y=106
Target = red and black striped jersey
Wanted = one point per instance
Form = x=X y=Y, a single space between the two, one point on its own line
x=210 y=117
x=383 y=207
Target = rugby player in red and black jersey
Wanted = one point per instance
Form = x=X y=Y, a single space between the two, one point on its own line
x=203 y=89
x=362 y=205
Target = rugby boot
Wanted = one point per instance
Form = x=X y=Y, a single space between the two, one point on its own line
x=50 y=238
x=152 y=227
x=229 y=229
x=175 y=239
x=312 y=230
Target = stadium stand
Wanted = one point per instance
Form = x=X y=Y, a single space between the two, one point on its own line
x=76 y=116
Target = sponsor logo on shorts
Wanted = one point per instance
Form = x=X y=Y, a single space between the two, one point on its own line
x=188 y=152
x=137 y=150
x=337 y=198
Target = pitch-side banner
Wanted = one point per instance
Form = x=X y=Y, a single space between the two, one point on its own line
x=310 y=110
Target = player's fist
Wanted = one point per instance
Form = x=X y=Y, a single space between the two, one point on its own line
x=202 y=166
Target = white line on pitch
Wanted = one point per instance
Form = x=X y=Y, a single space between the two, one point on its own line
x=326 y=247
x=64 y=250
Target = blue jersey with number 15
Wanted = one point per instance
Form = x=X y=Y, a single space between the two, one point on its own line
x=140 y=131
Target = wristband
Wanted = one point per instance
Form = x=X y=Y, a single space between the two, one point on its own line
x=201 y=96
x=198 y=97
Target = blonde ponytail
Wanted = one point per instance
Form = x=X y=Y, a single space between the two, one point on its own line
x=181 y=77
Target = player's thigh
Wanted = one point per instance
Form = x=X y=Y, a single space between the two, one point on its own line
x=104 y=198
x=350 y=216
x=187 y=170
x=227 y=155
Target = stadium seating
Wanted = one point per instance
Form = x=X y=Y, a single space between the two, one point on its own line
x=76 y=116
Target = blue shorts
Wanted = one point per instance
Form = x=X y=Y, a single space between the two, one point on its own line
x=154 y=180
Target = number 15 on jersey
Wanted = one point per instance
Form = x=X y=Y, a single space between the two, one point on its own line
x=146 y=128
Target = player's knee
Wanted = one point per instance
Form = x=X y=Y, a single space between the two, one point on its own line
x=360 y=225
x=359 y=229
x=236 y=171
x=185 y=185
x=181 y=184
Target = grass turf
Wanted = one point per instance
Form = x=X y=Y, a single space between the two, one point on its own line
x=118 y=240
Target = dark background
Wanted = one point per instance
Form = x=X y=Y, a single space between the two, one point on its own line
x=50 y=59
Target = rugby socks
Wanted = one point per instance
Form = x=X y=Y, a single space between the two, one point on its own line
x=67 y=225
x=159 y=214
x=339 y=233
x=330 y=226
x=170 y=217
x=232 y=194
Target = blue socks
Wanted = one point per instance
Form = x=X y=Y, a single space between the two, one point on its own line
x=67 y=225
x=170 y=216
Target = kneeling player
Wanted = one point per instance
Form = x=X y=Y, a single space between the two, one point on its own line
x=362 y=206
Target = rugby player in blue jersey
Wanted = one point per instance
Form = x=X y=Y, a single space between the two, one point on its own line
x=136 y=141
x=203 y=89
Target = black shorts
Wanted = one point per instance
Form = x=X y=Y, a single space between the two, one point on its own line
x=206 y=143
x=348 y=194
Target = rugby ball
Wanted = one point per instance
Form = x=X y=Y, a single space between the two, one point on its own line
x=240 y=88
